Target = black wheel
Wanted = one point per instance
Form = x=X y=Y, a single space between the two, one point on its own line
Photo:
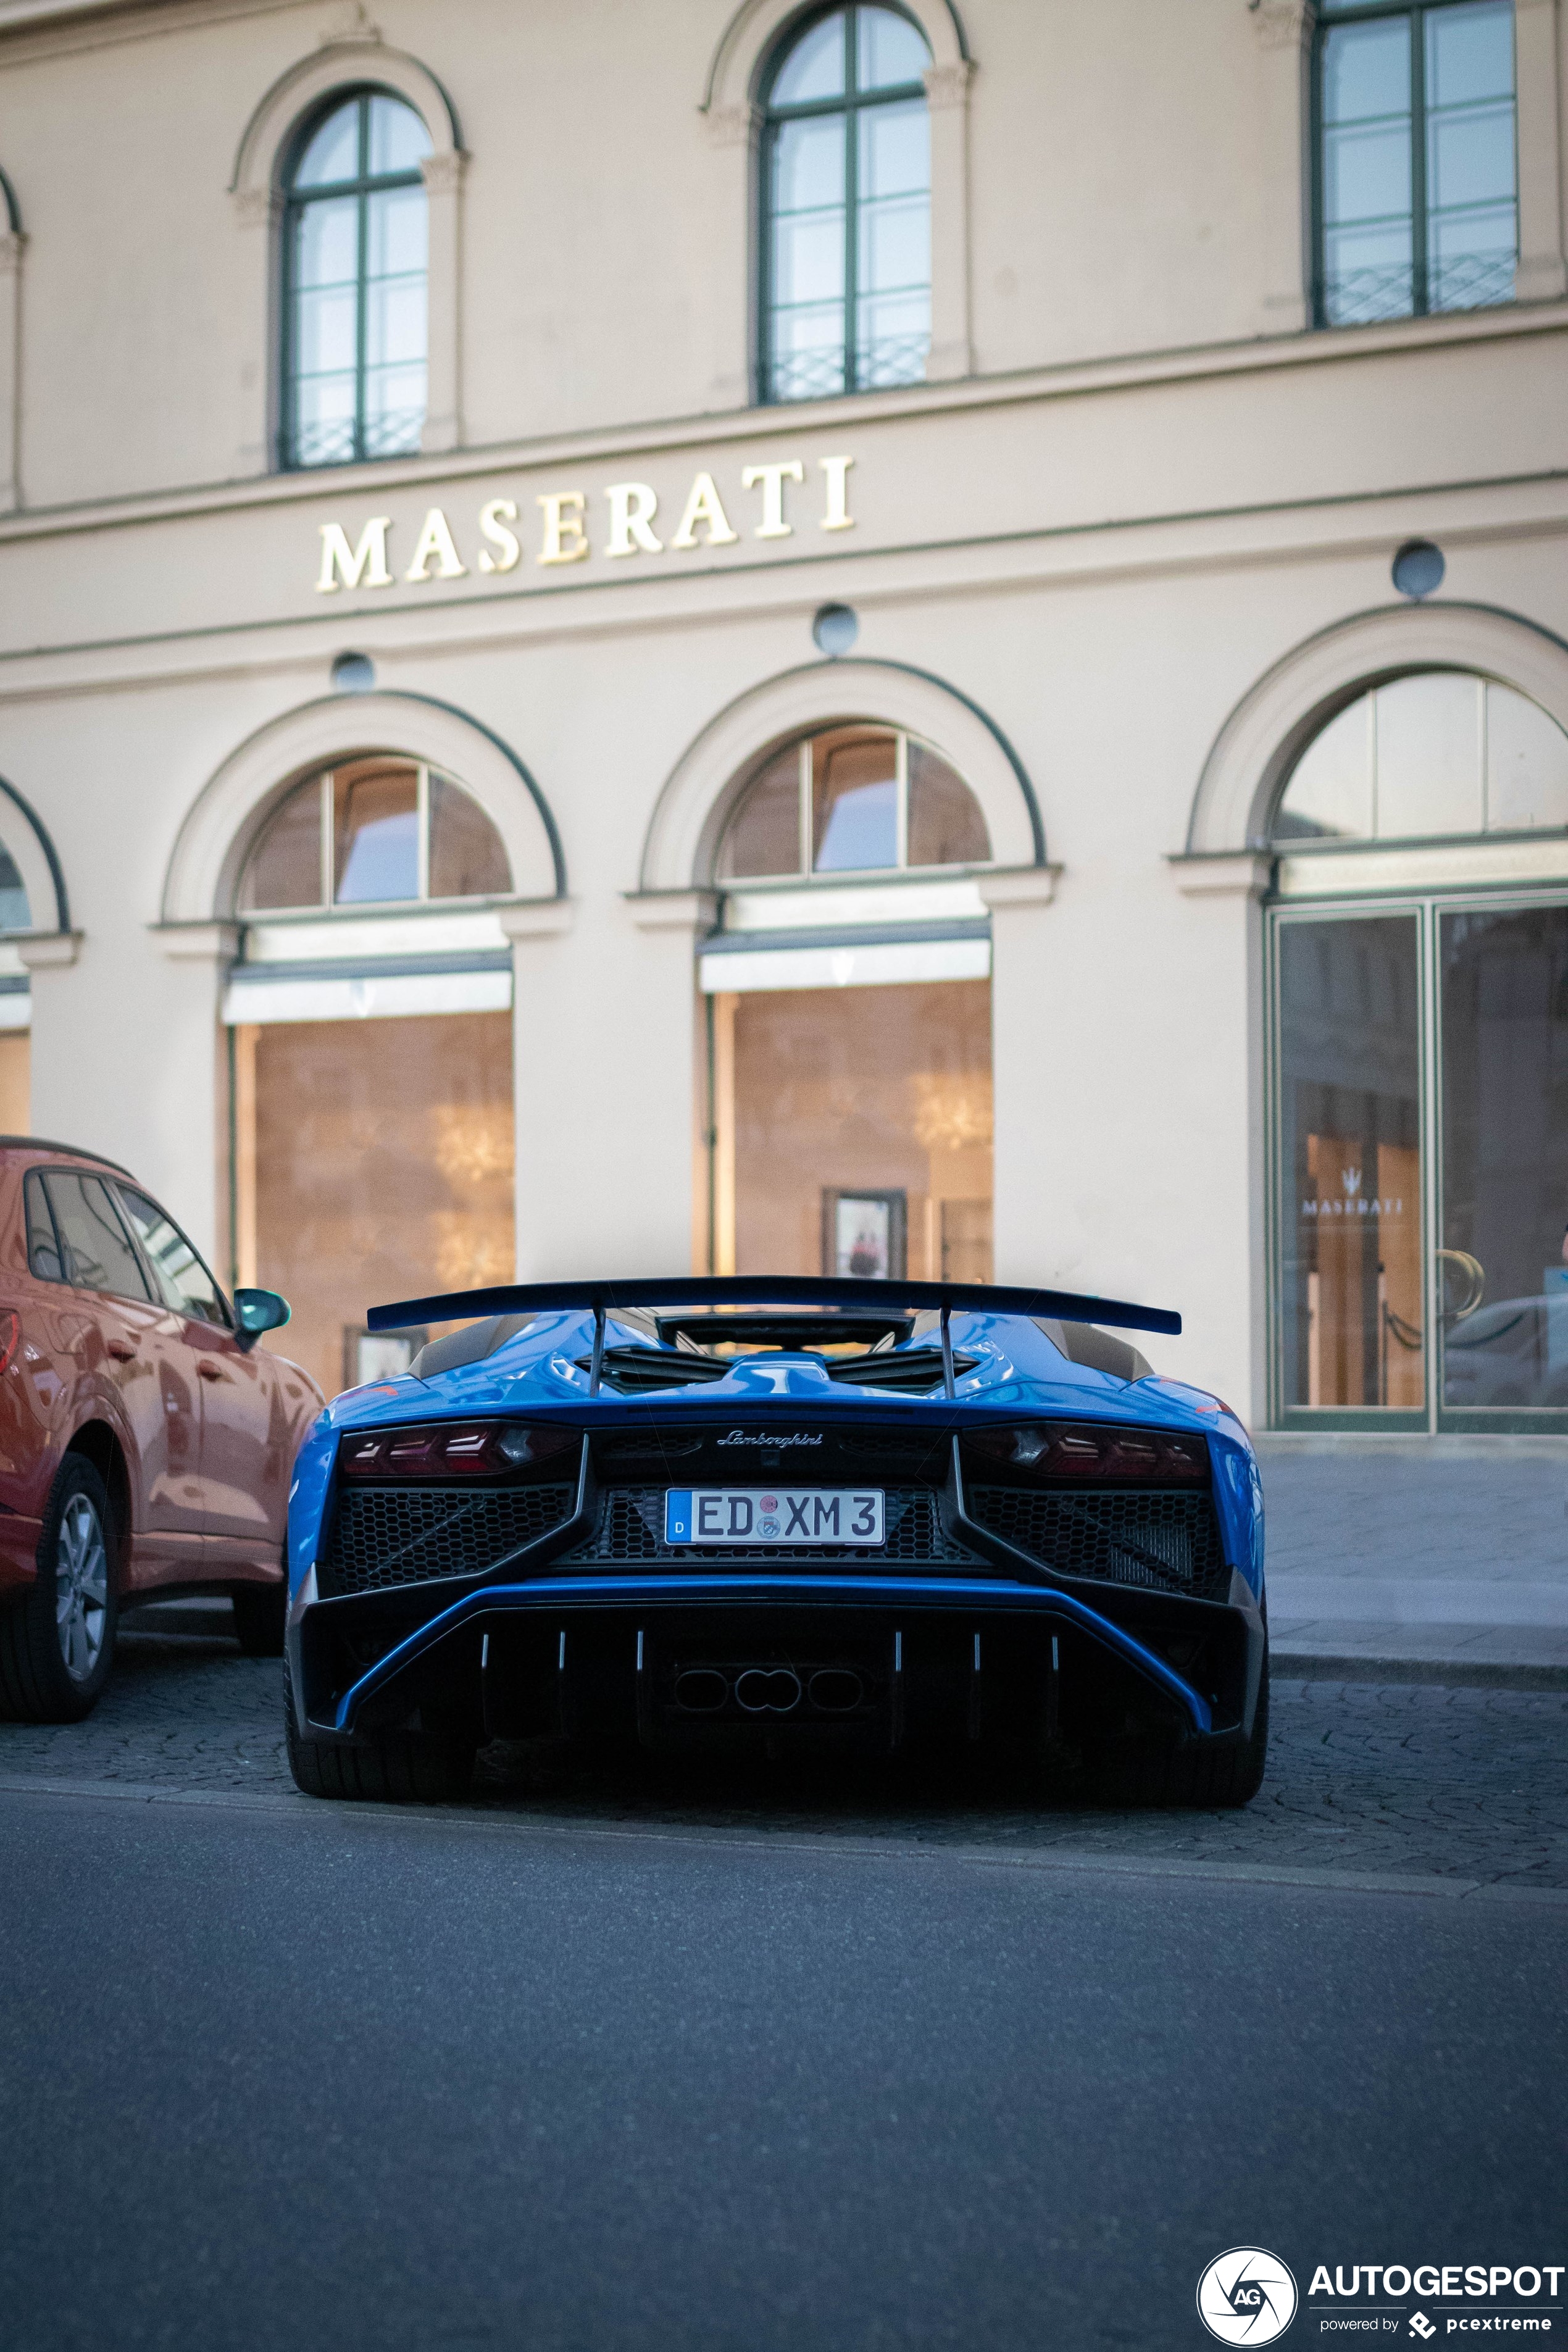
x=57 y=1644
x=1200 y=1779
x=393 y=1767
x=260 y=1612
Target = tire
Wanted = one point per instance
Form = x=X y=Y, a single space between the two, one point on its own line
x=57 y=1644
x=260 y=1611
x=390 y=1769
x=1197 y=1779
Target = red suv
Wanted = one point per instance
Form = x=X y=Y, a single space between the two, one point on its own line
x=145 y=1441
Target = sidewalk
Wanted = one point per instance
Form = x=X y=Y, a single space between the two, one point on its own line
x=1402 y=1549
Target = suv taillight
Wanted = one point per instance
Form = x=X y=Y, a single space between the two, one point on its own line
x=453 y=1449
x=1091 y=1449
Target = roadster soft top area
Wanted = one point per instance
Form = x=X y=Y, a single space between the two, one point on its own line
x=779 y=1515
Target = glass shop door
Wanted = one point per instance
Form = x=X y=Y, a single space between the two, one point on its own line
x=1420 y=1146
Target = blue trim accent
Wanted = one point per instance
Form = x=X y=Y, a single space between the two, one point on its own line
x=847 y=1590
x=376 y=967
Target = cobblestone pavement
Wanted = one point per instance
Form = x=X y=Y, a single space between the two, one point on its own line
x=1408 y=1779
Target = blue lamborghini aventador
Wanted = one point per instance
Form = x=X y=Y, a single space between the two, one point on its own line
x=779 y=1516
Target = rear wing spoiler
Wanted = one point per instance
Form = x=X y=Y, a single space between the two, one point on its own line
x=772 y=1290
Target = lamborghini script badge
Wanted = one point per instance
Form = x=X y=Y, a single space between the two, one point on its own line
x=772 y=1437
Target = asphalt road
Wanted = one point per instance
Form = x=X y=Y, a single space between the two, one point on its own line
x=276 y=2073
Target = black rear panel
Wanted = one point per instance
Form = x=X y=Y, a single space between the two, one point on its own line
x=386 y=1536
x=1163 y=1540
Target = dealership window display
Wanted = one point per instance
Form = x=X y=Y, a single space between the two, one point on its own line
x=1421 y=1058
x=376 y=1160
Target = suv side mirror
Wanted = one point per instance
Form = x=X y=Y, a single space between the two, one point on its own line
x=255 y=1311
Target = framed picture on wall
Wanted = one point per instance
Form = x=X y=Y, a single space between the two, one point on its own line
x=863 y=1233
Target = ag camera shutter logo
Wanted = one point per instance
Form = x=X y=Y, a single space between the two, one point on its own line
x=1246 y=2295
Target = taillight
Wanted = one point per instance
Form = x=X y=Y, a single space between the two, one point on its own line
x=1075 y=1449
x=10 y=1337
x=453 y=1449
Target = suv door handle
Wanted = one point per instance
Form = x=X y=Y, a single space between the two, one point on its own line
x=211 y=1372
x=122 y=1350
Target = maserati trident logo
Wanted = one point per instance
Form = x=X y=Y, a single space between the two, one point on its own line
x=1246 y=2297
x=773 y=1437
x=1350 y=1179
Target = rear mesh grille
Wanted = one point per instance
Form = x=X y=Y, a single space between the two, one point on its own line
x=631 y=1523
x=384 y=1536
x=1165 y=1541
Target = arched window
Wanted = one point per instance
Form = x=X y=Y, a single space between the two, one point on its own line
x=846 y=208
x=354 y=245
x=375 y=831
x=852 y=800
x=1443 y=753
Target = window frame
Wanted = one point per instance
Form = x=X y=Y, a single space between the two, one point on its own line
x=850 y=103
x=1359 y=12
x=328 y=903
x=296 y=202
x=807 y=874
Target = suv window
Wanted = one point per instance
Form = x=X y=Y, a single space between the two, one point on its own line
x=43 y=1247
x=94 y=1245
x=183 y=1279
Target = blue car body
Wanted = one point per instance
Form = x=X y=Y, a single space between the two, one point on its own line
x=1070 y=1555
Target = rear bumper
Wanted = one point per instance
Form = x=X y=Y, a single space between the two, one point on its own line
x=578 y=1652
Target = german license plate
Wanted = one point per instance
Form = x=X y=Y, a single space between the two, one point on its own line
x=773 y=1514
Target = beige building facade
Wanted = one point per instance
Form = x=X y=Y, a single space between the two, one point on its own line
x=923 y=638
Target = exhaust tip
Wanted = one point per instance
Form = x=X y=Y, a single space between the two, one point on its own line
x=700 y=1690
x=835 y=1690
x=768 y=1690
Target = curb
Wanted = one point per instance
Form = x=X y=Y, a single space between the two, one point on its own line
x=1452 y=1673
x=349 y=1817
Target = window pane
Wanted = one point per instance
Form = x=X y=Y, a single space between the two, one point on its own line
x=284 y=868
x=43 y=1249
x=16 y=913
x=808 y=262
x=394 y=412
x=325 y=412
x=815 y=66
x=466 y=859
x=855 y=802
x=396 y=232
x=1366 y=175
x=326 y=332
x=1350 y=1215
x=326 y=243
x=1429 y=757
x=185 y=1283
x=398 y=139
x=99 y=1255
x=1504 y=983
x=1366 y=71
x=1330 y=795
x=763 y=836
x=1526 y=763
x=394 y=322
x=895 y=150
x=888 y=49
x=808 y=163
x=376 y=824
x=1469 y=54
x=946 y=827
x=334 y=152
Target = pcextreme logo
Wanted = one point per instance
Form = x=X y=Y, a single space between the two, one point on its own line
x=1246 y=2297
